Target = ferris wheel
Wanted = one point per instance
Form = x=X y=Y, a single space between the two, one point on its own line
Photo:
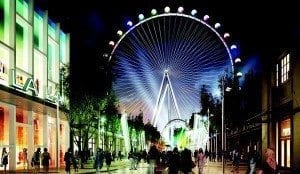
x=160 y=61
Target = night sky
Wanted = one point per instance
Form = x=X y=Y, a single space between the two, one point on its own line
x=256 y=28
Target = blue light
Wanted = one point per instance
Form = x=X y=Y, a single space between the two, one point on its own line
x=129 y=23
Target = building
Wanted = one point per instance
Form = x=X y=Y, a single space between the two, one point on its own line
x=33 y=50
x=281 y=108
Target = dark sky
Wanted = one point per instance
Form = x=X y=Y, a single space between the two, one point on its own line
x=256 y=26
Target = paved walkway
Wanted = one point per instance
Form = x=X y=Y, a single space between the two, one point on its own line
x=88 y=168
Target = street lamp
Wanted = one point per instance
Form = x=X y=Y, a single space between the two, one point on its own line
x=228 y=89
x=57 y=100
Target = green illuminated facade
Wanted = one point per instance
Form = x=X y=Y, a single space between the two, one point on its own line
x=33 y=50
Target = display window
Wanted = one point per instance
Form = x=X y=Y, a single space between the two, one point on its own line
x=21 y=147
x=52 y=140
x=38 y=130
x=285 y=143
x=4 y=125
x=22 y=139
x=21 y=116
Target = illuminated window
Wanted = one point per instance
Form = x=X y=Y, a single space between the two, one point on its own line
x=22 y=8
x=23 y=48
x=5 y=21
x=285 y=68
x=285 y=143
x=38 y=32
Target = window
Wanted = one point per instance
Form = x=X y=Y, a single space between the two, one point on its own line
x=285 y=68
x=282 y=70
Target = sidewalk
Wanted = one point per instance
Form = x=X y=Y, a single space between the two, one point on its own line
x=88 y=168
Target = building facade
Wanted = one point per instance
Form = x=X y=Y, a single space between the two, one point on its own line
x=33 y=49
x=281 y=109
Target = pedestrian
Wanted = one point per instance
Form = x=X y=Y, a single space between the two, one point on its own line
x=269 y=166
x=75 y=163
x=68 y=160
x=153 y=156
x=186 y=161
x=4 y=159
x=45 y=160
x=25 y=158
x=99 y=157
x=173 y=161
x=35 y=160
x=253 y=157
x=235 y=161
x=201 y=160
x=120 y=155
x=131 y=159
x=108 y=159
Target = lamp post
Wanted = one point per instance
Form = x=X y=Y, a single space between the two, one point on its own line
x=57 y=130
x=228 y=89
x=222 y=95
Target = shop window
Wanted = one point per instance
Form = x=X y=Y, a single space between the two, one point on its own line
x=21 y=116
x=1 y=124
x=285 y=145
x=4 y=126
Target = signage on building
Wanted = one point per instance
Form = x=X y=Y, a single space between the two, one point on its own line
x=28 y=86
x=3 y=70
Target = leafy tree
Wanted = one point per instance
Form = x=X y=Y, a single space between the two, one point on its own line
x=113 y=119
x=151 y=133
x=83 y=121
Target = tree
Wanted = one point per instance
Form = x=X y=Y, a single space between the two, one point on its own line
x=83 y=121
x=208 y=102
x=151 y=133
x=113 y=119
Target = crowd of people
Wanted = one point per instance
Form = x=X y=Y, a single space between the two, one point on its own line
x=174 y=160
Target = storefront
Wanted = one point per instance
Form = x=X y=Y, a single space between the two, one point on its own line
x=33 y=50
x=26 y=124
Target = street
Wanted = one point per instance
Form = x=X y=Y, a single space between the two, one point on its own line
x=210 y=168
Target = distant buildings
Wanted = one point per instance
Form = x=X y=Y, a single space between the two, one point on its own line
x=33 y=50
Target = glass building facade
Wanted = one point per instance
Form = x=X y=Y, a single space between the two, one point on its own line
x=33 y=49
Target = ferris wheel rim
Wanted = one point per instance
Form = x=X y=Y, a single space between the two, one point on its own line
x=168 y=15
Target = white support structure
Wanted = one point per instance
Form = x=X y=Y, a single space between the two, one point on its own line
x=165 y=88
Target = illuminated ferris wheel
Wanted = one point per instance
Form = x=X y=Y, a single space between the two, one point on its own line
x=161 y=61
